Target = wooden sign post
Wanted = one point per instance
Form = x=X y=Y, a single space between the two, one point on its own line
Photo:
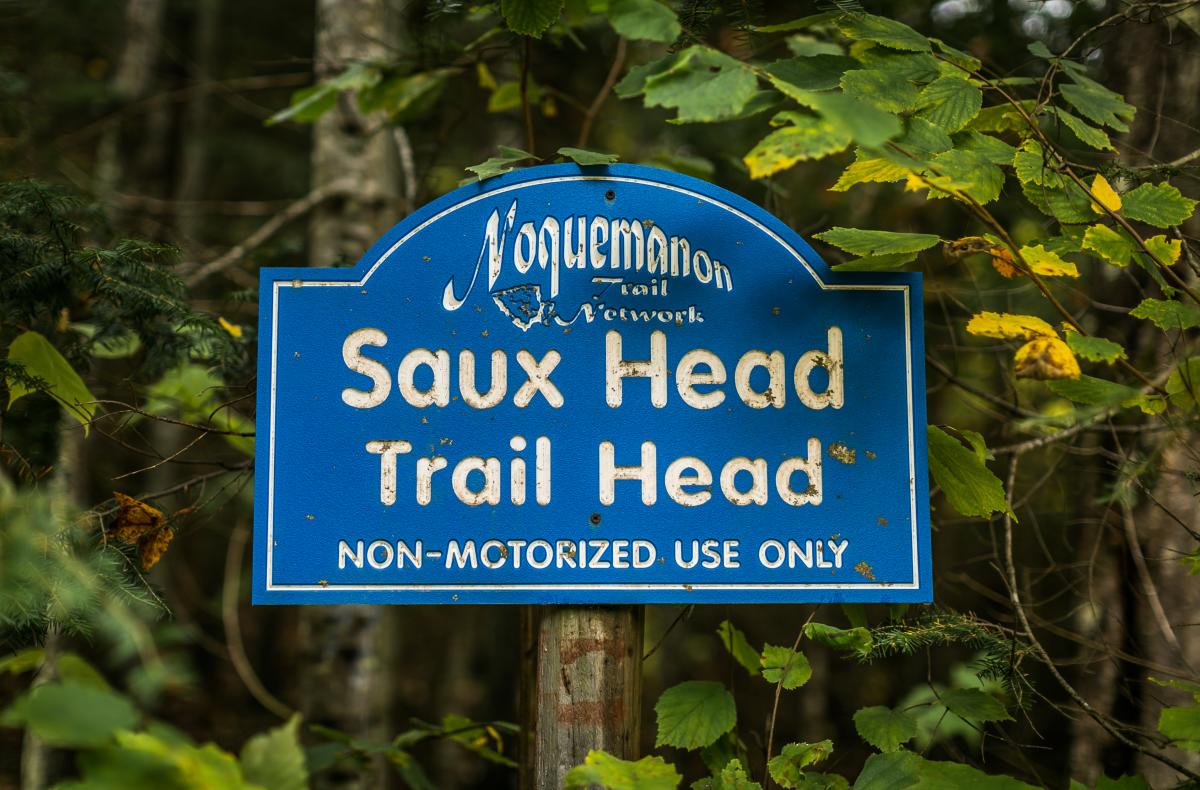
x=584 y=674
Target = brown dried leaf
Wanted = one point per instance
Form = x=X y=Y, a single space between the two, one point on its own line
x=142 y=525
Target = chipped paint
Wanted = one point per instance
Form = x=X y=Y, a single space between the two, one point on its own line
x=840 y=452
x=866 y=570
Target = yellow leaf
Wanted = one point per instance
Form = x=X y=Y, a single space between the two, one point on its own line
x=914 y=183
x=1046 y=358
x=1006 y=326
x=1103 y=192
x=1166 y=250
x=486 y=80
x=232 y=329
x=1044 y=262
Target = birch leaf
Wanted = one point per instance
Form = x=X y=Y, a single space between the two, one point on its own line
x=1105 y=196
x=1042 y=261
x=1046 y=358
x=1007 y=326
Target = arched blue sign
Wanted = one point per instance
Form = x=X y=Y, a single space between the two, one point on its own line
x=601 y=385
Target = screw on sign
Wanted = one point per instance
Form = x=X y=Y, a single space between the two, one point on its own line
x=607 y=385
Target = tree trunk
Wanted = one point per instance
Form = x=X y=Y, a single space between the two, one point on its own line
x=131 y=81
x=1162 y=68
x=345 y=664
x=193 y=160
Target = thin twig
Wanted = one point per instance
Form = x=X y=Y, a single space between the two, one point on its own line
x=233 y=627
x=268 y=229
x=778 y=692
x=1148 y=587
x=585 y=130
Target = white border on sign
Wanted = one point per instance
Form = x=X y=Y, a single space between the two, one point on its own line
x=912 y=476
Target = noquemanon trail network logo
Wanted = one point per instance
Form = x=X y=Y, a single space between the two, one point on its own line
x=631 y=266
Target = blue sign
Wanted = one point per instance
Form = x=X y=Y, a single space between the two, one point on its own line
x=600 y=385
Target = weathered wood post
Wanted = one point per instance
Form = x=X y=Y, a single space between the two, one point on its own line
x=584 y=673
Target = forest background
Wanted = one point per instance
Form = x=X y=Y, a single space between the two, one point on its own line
x=155 y=154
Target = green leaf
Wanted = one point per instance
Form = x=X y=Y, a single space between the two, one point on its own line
x=1182 y=725
x=73 y=668
x=146 y=760
x=1160 y=205
x=31 y=658
x=877 y=242
x=1095 y=349
x=1183 y=385
x=309 y=104
x=796 y=24
x=991 y=149
x=531 y=17
x=497 y=165
x=1168 y=313
x=1003 y=118
x=904 y=769
x=806 y=137
x=702 y=84
x=867 y=169
x=884 y=728
x=877 y=263
x=736 y=643
x=957 y=56
x=643 y=20
x=1088 y=135
x=856 y=613
x=950 y=102
x=761 y=101
x=1114 y=247
x=71 y=714
x=1068 y=204
x=816 y=73
x=918 y=67
x=856 y=639
x=784 y=666
x=693 y=714
x=881 y=30
x=974 y=705
x=969 y=486
x=732 y=776
x=1097 y=103
x=965 y=172
x=41 y=360
x=601 y=768
x=868 y=126
x=1092 y=391
x=405 y=97
x=718 y=754
x=803 y=46
x=787 y=767
x=886 y=90
x=920 y=142
x=507 y=96
x=275 y=760
x=581 y=157
x=1032 y=166
x=634 y=81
